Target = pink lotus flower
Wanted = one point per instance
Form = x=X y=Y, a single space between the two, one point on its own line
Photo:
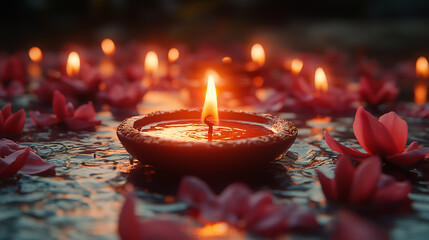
x=364 y=185
x=385 y=137
x=131 y=228
x=123 y=95
x=20 y=159
x=239 y=206
x=376 y=93
x=11 y=123
x=80 y=119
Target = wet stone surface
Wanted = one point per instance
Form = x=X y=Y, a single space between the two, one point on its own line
x=84 y=198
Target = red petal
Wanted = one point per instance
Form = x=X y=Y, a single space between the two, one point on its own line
x=13 y=162
x=195 y=192
x=352 y=227
x=75 y=124
x=85 y=112
x=257 y=205
x=299 y=219
x=271 y=222
x=162 y=230
x=409 y=158
x=15 y=123
x=129 y=224
x=1 y=122
x=36 y=165
x=352 y=153
x=233 y=202
x=413 y=146
x=6 y=111
x=344 y=174
x=328 y=186
x=392 y=193
x=59 y=105
x=365 y=181
x=44 y=119
x=397 y=128
x=372 y=135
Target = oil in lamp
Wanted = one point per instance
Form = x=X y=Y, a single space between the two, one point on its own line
x=207 y=141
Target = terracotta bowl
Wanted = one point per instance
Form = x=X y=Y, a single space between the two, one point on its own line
x=206 y=157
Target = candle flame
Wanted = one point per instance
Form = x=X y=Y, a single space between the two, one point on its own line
x=422 y=69
x=320 y=81
x=213 y=230
x=108 y=47
x=226 y=60
x=173 y=55
x=210 y=103
x=420 y=94
x=296 y=66
x=35 y=54
x=151 y=62
x=73 y=64
x=258 y=54
x=258 y=81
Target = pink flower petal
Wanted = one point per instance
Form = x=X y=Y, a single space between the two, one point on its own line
x=129 y=225
x=271 y=222
x=352 y=227
x=14 y=123
x=410 y=157
x=44 y=119
x=195 y=192
x=233 y=201
x=85 y=112
x=75 y=124
x=299 y=219
x=413 y=146
x=352 y=153
x=372 y=135
x=392 y=193
x=6 y=111
x=162 y=230
x=36 y=165
x=344 y=174
x=10 y=165
x=257 y=205
x=59 y=105
x=365 y=180
x=397 y=128
x=328 y=186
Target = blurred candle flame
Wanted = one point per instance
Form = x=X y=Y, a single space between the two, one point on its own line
x=420 y=94
x=422 y=69
x=226 y=59
x=173 y=55
x=258 y=54
x=213 y=230
x=151 y=62
x=258 y=81
x=296 y=66
x=35 y=54
x=108 y=47
x=73 y=64
x=320 y=81
x=210 y=102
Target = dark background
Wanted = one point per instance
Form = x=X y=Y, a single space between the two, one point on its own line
x=384 y=26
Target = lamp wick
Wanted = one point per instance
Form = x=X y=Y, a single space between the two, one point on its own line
x=210 y=132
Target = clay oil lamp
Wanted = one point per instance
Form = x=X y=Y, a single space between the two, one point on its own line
x=206 y=142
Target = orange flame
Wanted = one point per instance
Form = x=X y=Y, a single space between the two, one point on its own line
x=213 y=230
x=35 y=54
x=173 y=55
x=258 y=54
x=320 y=81
x=151 y=62
x=108 y=47
x=210 y=103
x=73 y=64
x=422 y=69
x=226 y=60
x=420 y=94
x=296 y=66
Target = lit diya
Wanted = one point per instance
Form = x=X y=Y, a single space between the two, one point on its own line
x=195 y=141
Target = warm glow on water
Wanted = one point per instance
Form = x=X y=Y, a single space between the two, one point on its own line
x=193 y=130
